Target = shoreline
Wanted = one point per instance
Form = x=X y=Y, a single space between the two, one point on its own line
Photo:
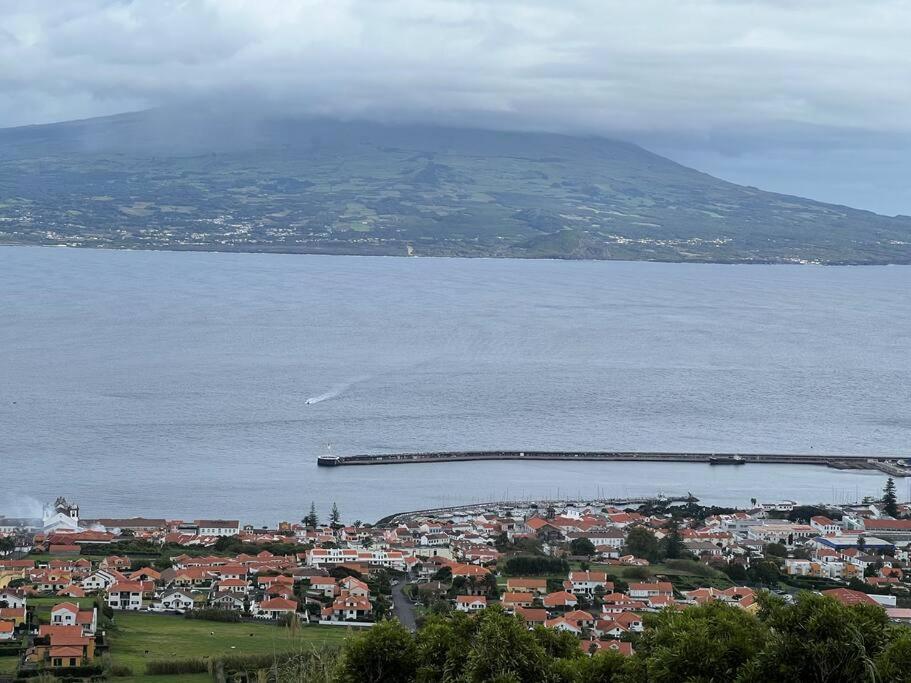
x=304 y=252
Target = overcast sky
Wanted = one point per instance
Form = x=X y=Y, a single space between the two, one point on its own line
x=810 y=97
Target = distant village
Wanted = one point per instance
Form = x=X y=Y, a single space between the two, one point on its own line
x=589 y=568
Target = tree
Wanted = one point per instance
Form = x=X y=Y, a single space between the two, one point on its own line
x=861 y=543
x=504 y=650
x=335 y=517
x=710 y=642
x=311 y=520
x=890 y=502
x=673 y=544
x=642 y=543
x=819 y=639
x=385 y=652
x=582 y=546
x=776 y=550
x=764 y=572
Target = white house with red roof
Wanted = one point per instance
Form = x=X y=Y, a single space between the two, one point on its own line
x=126 y=595
x=825 y=526
x=562 y=624
x=644 y=591
x=560 y=599
x=275 y=608
x=348 y=608
x=587 y=582
x=470 y=603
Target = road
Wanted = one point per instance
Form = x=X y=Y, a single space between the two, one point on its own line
x=404 y=609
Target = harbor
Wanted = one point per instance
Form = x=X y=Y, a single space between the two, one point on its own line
x=895 y=467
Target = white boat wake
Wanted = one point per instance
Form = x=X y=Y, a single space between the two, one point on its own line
x=335 y=391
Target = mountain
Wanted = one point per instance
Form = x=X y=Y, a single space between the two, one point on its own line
x=169 y=180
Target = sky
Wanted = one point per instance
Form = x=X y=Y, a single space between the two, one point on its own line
x=809 y=97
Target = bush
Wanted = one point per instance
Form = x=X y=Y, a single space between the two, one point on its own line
x=120 y=670
x=225 y=615
x=173 y=667
x=640 y=573
x=690 y=567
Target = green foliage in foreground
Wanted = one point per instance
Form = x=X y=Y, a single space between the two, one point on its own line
x=815 y=639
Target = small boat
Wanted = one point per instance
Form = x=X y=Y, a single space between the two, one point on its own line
x=727 y=460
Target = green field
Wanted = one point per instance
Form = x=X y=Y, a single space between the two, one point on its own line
x=141 y=638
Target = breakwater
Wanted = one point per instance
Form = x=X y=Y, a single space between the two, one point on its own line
x=896 y=467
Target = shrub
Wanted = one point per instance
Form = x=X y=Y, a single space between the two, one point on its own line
x=690 y=567
x=640 y=573
x=225 y=615
x=120 y=670
x=172 y=667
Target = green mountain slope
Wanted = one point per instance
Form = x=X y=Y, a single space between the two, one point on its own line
x=164 y=180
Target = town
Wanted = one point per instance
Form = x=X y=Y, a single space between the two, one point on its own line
x=71 y=587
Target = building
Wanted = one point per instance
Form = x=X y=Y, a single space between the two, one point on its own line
x=126 y=595
x=217 y=527
x=274 y=608
x=899 y=529
x=470 y=603
x=587 y=583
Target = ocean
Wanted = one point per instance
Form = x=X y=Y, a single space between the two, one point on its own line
x=188 y=385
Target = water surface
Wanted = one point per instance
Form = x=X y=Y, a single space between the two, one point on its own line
x=177 y=384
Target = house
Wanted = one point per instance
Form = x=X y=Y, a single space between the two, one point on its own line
x=586 y=583
x=348 y=608
x=231 y=601
x=71 y=591
x=594 y=646
x=532 y=617
x=512 y=600
x=7 y=630
x=639 y=591
x=617 y=603
x=60 y=646
x=326 y=585
x=579 y=617
x=118 y=562
x=562 y=624
x=233 y=586
x=609 y=628
x=630 y=621
x=64 y=614
x=11 y=598
x=470 y=603
x=560 y=599
x=101 y=579
x=703 y=548
x=126 y=595
x=274 y=608
x=849 y=597
x=515 y=585
x=824 y=525
x=16 y=615
x=217 y=527
x=606 y=538
x=177 y=601
x=354 y=587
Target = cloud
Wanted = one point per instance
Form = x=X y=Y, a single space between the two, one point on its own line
x=695 y=69
x=577 y=64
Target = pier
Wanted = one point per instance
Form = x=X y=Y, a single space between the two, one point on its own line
x=893 y=466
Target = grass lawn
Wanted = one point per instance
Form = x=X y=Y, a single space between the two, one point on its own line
x=169 y=637
x=8 y=665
